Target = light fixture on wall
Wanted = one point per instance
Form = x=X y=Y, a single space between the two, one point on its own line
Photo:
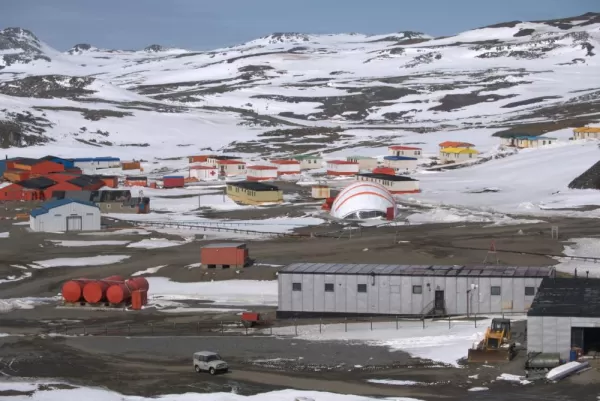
x=429 y=287
x=372 y=278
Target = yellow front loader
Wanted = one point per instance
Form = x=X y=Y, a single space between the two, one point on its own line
x=496 y=346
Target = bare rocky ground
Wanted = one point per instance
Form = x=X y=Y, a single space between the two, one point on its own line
x=150 y=365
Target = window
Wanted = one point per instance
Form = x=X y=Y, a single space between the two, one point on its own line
x=529 y=291
x=417 y=152
x=328 y=287
x=361 y=288
x=495 y=290
x=296 y=286
x=417 y=289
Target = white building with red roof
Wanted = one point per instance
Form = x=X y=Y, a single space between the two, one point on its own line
x=407 y=151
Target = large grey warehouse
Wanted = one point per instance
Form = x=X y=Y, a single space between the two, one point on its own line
x=324 y=289
x=565 y=315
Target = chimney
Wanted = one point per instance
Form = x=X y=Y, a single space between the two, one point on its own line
x=587 y=274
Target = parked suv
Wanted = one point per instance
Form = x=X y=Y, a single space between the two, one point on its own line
x=210 y=362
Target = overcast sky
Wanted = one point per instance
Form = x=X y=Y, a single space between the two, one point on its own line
x=205 y=24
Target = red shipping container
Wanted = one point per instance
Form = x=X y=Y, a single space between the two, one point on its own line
x=174 y=181
x=224 y=254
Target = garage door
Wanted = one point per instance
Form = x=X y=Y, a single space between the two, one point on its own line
x=74 y=223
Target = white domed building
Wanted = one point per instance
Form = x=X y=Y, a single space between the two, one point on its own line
x=363 y=200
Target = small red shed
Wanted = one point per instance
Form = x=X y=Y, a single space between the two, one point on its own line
x=173 y=181
x=224 y=255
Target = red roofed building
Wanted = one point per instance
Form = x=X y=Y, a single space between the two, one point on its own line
x=342 y=167
x=230 y=168
x=287 y=166
x=262 y=173
x=400 y=150
x=453 y=144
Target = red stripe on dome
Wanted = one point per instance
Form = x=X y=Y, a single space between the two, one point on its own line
x=362 y=193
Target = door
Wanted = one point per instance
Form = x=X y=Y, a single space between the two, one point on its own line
x=74 y=223
x=439 y=300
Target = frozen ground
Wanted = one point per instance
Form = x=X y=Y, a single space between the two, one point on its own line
x=56 y=391
x=436 y=341
x=246 y=292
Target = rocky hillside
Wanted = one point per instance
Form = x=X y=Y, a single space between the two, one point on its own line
x=291 y=92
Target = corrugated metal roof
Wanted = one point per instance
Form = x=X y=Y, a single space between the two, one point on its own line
x=46 y=207
x=560 y=296
x=224 y=245
x=417 y=270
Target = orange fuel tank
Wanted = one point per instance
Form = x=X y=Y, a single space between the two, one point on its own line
x=72 y=290
x=119 y=293
x=95 y=291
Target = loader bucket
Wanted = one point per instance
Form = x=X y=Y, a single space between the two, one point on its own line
x=490 y=355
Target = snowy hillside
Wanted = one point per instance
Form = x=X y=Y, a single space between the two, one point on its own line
x=291 y=92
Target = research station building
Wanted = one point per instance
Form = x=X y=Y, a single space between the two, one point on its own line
x=326 y=289
x=565 y=316
x=65 y=215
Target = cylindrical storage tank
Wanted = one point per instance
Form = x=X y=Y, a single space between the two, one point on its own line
x=548 y=360
x=95 y=291
x=119 y=293
x=72 y=290
x=138 y=283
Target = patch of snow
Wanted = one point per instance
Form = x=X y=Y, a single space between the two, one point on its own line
x=478 y=389
x=46 y=390
x=21 y=223
x=455 y=215
x=153 y=243
x=84 y=261
x=125 y=231
x=194 y=265
x=10 y=279
x=513 y=378
x=246 y=292
x=150 y=270
x=201 y=310
x=5 y=234
x=396 y=382
x=87 y=243
x=9 y=304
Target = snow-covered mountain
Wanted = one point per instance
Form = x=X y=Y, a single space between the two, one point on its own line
x=293 y=92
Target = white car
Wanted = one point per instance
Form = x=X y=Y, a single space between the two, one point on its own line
x=211 y=362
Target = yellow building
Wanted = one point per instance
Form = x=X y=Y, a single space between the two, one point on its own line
x=254 y=193
x=456 y=155
x=586 y=133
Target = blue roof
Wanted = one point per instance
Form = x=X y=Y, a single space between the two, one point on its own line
x=533 y=138
x=399 y=158
x=46 y=207
x=173 y=176
x=96 y=159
